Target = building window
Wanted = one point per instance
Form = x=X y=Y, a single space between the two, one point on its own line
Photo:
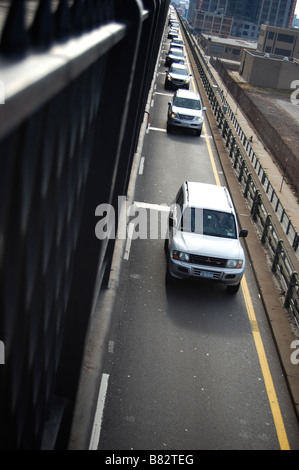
x=283 y=52
x=216 y=49
x=270 y=35
x=236 y=52
x=285 y=38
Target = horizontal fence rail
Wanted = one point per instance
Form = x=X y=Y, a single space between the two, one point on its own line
x=238 y=145
x=75 y=77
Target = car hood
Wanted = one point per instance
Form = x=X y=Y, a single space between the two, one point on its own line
x=178 y=76
x=206 y=245
x=187 y=111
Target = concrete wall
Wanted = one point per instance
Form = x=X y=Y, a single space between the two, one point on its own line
x=268 y=72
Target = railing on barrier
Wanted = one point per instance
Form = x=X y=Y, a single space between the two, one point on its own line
x=76 y=76
x=281 y=265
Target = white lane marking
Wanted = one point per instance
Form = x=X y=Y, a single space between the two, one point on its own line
x=129 y=240
x=141 y=166
x=150 y=128
x=111 y=347
x=97 y=424
x=147 y=205
x=163 y=94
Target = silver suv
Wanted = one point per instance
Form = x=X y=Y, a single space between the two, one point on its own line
x=185 y=111
x=203 y=240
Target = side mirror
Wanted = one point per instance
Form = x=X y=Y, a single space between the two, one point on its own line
x=243 y=233
x=204 y=108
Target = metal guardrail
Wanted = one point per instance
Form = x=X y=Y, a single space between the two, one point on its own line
x=76 y=77
x=279 y=259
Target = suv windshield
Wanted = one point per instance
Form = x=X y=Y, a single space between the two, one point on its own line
x=208 y=222
x=178 y=70
x=177 y=53
x=187 y=103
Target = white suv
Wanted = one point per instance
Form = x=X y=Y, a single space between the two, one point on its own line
x=203 y=238
x=186 y=111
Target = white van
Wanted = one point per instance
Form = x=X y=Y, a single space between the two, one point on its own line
x=203 y=240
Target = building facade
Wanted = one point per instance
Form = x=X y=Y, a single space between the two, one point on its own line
x=279 y=41
x=246 y=16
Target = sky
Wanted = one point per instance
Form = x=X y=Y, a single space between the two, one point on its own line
x=297 y=8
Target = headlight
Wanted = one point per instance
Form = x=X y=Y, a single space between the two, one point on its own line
x=181 y=256
x=199 y=119
x=169 y=78
x=173 y=115
x=234 y=263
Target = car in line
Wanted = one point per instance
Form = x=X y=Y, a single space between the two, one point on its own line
x=173 y=33
x=175 y=55
x=203 y=242
x=185 y=111
x=177 y=76
x=176 y=42
x=173 y=45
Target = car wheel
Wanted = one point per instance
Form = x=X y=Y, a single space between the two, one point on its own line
x=198 y=132
x=233 y=289
x=168 y=128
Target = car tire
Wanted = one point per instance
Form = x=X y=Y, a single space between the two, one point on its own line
x=168 y=128
x=198 y=132
x=233 y=289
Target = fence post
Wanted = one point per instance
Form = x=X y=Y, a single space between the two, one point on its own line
x=296 y=241
x=249 y=179
x=255 y=204
x=278 y=250
x=294 y=281
x=266 y=228
x=243 y=164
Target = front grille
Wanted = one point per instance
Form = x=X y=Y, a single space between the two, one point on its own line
x=178 y=82
x=186 y=117
x=208 y=261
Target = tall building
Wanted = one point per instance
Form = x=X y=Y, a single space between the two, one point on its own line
x=247 y=15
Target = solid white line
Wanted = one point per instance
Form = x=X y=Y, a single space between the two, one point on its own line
x=129 y=240
x=97 y=424
x=156 y=129
x=141 y=166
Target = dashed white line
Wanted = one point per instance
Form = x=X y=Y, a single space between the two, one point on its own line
x=150 y=128
x=141 y=166
x=129 y=240
x=97 y=424
x=147 y=205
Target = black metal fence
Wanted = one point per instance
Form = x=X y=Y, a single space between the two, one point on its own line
x=75 y=76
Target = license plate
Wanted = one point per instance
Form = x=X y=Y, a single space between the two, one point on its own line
x=206 y=274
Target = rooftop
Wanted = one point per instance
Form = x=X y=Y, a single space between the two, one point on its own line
x=232 y=41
